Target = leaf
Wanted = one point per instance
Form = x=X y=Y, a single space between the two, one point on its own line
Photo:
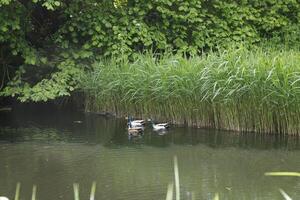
x=57 y=3
x=4 y=28
x=98 y=28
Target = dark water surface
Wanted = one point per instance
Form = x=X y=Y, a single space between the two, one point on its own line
x=50 y=150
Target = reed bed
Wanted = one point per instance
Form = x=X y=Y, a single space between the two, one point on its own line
x=235 y=89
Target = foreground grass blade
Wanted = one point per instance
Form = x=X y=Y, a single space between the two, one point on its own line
x=285 y=195
x=33 y=197
x=176 y=173
x=17 y=194
x=93 y=191
x=297 y=174
x=170 y=192
x=193 y=196
x=76 y=191
x=216 y=197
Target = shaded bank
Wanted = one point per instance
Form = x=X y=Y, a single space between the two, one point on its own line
x=236 y=89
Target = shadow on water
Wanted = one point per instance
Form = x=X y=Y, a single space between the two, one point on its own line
x=109 y=131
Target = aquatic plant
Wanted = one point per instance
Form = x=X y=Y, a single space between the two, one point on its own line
x=17 y=194
x=170 y=192
x=285 y=195
x=34 y=191
x=295 y=174
x=235 y=89
x=76 y=191
x=170 y=189
x=291 y=174
x=177 y=185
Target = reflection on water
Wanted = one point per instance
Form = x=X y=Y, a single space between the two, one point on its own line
x=50 y=150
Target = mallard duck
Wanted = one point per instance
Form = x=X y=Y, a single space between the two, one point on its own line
x=160 y=126
x=134 y=131
x=136 y=123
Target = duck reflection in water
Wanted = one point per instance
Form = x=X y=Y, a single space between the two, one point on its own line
x=135 y=137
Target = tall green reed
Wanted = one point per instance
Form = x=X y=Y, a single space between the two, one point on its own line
x=235 y=89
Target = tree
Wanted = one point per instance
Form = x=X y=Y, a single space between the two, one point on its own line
x=46 y=44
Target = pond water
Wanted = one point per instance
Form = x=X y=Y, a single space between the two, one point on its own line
x=52 y=151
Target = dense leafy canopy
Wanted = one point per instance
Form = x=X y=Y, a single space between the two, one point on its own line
x=46 y=44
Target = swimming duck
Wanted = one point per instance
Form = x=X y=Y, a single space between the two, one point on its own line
x=134 y=131
x=136 y=123
x=160 y=126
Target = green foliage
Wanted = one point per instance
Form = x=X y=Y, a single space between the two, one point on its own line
x=187 y=26
x=236 y=89
x=51 y=5
x=34 y=77
x=36 y=34
x=4 y=2
x=60 y=83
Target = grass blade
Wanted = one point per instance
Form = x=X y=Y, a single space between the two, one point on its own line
x=297 y=174
x=76 y=191
x=176 y=174
x=285 y=195
x=33 y=197
x=170 y=192
x=193 y=196
x=17 y=194
x=216 y=196
x=93 y=191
